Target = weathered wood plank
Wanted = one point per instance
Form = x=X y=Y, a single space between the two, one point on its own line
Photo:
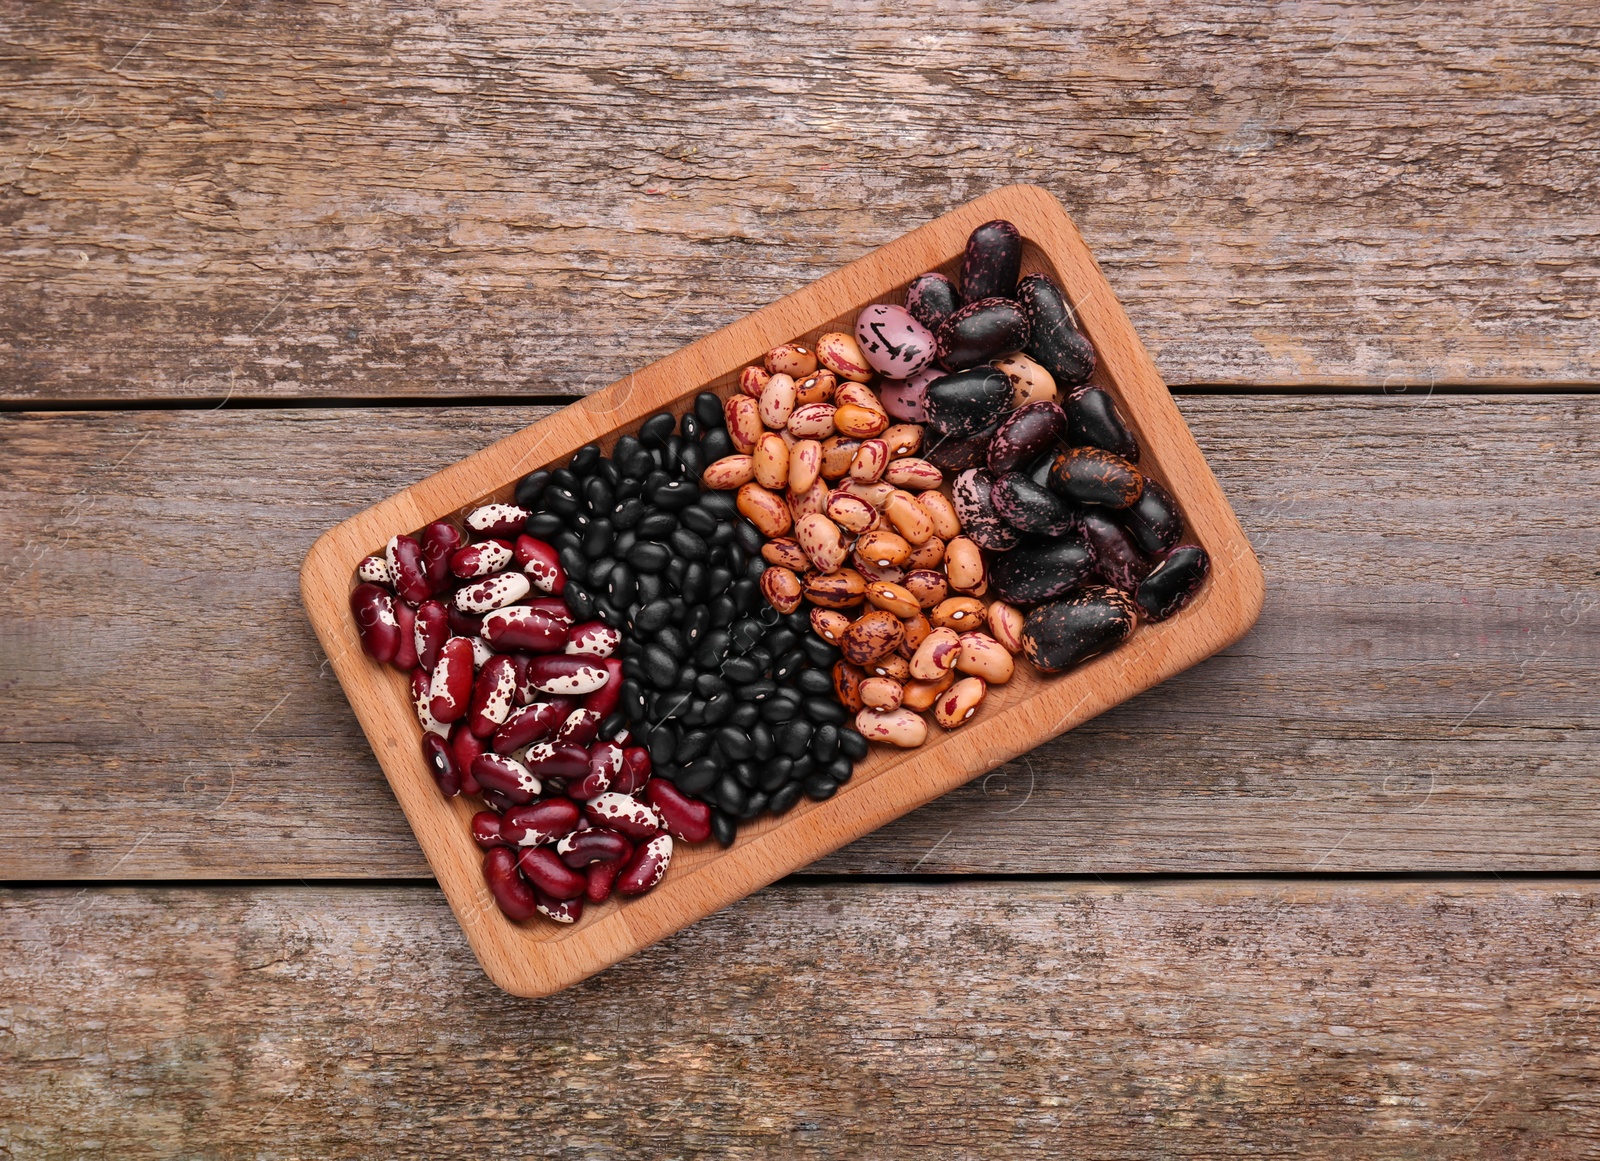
x=382 y=199
x=1419 y=694
x=1350 y=1020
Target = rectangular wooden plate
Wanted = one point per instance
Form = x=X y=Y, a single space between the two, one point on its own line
x=538 y=958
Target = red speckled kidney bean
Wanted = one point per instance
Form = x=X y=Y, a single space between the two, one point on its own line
x=497 y=520
x=492 y=696
x=410 y=571
x=486 y=829
x=560 y=910
x=539 y=822
x=373 y=610
x=637 y=820
x=601 y=877
x=595 y=638
x=593 y=844
x=419 y=701
x=548 y=760
x=496 y=592
x=580 y=728
x=452 y=680
x=548 y=873
x=529 y=724
x=686 y=818
x=439 y=540
x=375 y=570
x=636 y=767
x=442 y=764
x=497 y=801
x=465 y=746
x=511 y=893
x=568 y=673
x=432 y=630
x=507 y=775
x=542 y=563
x=605 y=763
x=553 y=606
x=405 y=653
x=523 y=627
x=604 y=700
x=463 y=624
x=481 y=559
x=644 y=870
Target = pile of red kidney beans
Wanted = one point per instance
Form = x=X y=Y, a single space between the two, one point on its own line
x=596 y=661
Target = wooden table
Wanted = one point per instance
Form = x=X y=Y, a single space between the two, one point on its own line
x=1331 y=893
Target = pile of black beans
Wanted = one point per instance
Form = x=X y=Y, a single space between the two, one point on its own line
x=733 y=699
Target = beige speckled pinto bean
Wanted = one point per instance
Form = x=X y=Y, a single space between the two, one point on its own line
x=898 y=727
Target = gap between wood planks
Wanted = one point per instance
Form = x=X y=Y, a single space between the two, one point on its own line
x=315 y=403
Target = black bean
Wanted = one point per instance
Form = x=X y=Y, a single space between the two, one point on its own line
x=675 y=494
x=852 y=745
x=741 y=670
x=651 y=588
x=783 y=798
x=628 y=489
x=709 y=685
x=580 y=602
x=543 y=525
x=840 y=770
x=562 y=501
x=660 y=669
x=779 y=709
x=754 y=567
x=637 y=466
x=746 y=595
x=761 y=743
x=708 y=410
x=814 y=682
x=598 y=539
x=819 y=652
x=716 y=445
x=664 y=745
x=731 y=796
x=825 y=711
x=622 y=585
x=775 y=772
x=612 y=726
x=653 y=616
x=746 y=773
x=613 y=615
x=734 y=743
x=627 y=514
x=575 y=564
x=530 y=489
x=693 y=744
x=565 y=478
x=713 y=649
x=721 y=505
x=750 y=538
x=694 y=711
x=755 y=690
x=609 y=472
x=804 y=767
x=567 y=538
x=598 y=497
x=757 y=803
x=718 y=580
x=699 y=519
x=648 y=556
x=761 y=657
x=585 y=460
x=744 y=715
x=825 y=742
x=793 y=738
x=670 y=639
x=723 y=611
x=674 y=572
x=723 y=828
x=782 y=639
x=693 y=586
x=819 y=786
x=788 y=665
x=698 y=777
x=688 y=544
x=654 y=431
x=696 y=624
x=719 y=708
x=693 y=460
x=626 y=539
x=747 y=634
x=723 y=536
x=633 y=699
x=689 y=426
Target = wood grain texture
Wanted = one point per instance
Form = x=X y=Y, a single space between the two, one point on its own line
x=397 y=199
x=538 y=958
x=1420 y=693
x=1345 y=1020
